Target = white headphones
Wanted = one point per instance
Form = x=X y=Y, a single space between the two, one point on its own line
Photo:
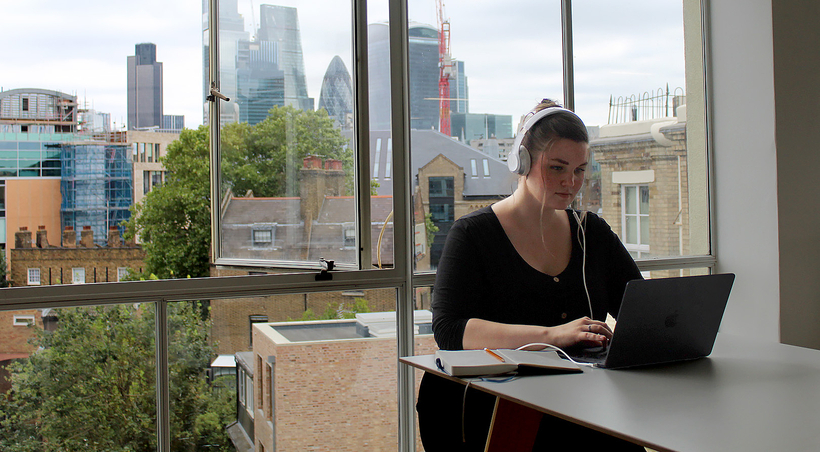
x=519 y=160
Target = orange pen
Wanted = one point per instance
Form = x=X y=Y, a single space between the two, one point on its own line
x=497 y=356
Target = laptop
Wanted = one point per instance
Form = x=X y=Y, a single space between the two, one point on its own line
x=665 y=320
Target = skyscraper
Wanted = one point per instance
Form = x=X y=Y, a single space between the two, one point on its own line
x=259 y=72
x=337 y=93
x=144 y=88
x=424 y=76
x=280 y=25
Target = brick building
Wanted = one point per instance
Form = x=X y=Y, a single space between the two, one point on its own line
x=327 y=385
x=644 y=186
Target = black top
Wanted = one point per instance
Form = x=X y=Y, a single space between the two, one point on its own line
x=481 y=275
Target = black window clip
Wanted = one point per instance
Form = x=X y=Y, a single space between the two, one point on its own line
x=327 y=266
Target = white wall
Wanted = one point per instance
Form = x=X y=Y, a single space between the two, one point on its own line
x=766 y=106
x=744 y=156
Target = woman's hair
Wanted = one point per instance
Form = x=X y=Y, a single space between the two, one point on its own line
x=552 y=127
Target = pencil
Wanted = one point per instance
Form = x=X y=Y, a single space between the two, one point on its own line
x=497 y=356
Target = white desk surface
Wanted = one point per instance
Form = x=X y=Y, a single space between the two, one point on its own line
x=747 y=396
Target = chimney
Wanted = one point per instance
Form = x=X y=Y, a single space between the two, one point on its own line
x=69 y=237
x=87 y=237
x=22 y=238
x=334 y=178
x=114 y=240
x=42 y=240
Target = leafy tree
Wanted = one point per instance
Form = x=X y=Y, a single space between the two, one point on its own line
x=91 y=385
x=3 y=269
x=338 y=310
x=173 y=222
x=266 y=157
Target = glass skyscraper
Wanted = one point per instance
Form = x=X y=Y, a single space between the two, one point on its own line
x=337 y=93
x=144 y=88
x=259 y=72
x=424 y=76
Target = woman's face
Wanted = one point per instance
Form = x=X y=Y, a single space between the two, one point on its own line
x=558 y=173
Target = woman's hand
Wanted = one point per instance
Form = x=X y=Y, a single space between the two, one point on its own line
x=583 y=331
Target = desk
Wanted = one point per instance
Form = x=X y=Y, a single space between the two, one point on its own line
x=747 y=396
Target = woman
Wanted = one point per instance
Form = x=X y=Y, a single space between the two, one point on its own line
x=524 y=270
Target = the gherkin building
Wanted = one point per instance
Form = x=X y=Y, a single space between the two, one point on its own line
x=337 y=93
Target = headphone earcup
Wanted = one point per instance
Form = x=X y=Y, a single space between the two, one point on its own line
x=519 y=162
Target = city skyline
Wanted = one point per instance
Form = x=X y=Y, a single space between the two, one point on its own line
x=624 y=63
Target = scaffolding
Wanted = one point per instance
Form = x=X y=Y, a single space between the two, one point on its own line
x=96 y=187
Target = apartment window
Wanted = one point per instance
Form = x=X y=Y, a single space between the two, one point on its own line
x=78 y=275
x=23 y=320
x=349 y=235
x=262 y=237
x=635 y=217
x=122 y=273
x=25 y=104
x=33 y=276
x=146 y=182
x=156 y=152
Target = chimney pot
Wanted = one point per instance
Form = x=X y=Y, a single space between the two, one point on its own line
x=42 y=239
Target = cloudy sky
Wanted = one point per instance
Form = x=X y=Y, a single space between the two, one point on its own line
x=512 y=50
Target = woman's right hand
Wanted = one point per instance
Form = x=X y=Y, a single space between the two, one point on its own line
x=584 y=331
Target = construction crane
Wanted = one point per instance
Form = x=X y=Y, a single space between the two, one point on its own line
x=445 y=65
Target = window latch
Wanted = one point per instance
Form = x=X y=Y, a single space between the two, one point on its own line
x=327 y=266
x=214 y=94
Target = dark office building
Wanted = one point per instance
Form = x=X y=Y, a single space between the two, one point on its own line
x=144 y=88
x=424 y=76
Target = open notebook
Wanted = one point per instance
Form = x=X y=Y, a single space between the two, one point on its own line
x=472 y=363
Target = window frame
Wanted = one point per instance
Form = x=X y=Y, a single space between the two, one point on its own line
x=31 y=281
x=639 y=247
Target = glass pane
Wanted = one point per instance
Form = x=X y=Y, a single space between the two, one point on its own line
x=630 y=200
x=640 y=91
x=285 y=347
x=56 y=363
x=644 y=230
x=287 y=155
x=464 y=107
x=644 y=200
x=631 y=224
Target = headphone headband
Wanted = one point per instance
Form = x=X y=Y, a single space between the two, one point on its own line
x=518 y=160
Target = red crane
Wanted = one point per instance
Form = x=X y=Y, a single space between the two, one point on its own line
x=445 y=70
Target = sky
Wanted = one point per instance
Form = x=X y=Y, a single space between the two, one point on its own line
x=512 y=50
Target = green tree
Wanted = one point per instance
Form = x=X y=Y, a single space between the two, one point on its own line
x=173 y=222
x=266 y=157
x=91 y=385
x=4 y=282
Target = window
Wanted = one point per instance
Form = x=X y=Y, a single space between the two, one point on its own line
x=23 y=320
x=25 y=103
x=263 y=237
x=122 y=273
x=441 y=186
x=33 y=276
x=635 y=210
x=473 y=169
x=349 y=232
x=78 y=275
x=486 y=167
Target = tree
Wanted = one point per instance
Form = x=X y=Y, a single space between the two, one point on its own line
x=91 y=385
x=265 y=157
x=4 y=282
x=173 y=222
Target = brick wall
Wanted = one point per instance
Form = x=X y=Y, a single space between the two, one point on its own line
x=330 y=395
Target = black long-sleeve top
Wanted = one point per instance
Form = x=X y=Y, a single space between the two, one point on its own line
x=481 y=275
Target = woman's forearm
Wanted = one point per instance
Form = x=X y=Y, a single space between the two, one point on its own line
x=483 y=333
